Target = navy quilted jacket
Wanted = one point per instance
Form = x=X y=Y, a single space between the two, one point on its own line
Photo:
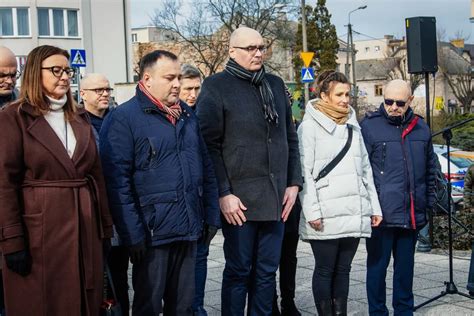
x=160 y=180
x=403 y=163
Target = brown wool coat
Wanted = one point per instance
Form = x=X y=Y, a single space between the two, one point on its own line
x=57 y=207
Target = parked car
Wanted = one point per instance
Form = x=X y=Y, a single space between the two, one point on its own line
x=460 y=162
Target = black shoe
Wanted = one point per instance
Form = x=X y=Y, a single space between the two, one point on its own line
x=288 y=308
x=340 y=306
x=324 y=308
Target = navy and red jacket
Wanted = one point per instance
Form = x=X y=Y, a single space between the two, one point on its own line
x=403 y=163
x=160 y=179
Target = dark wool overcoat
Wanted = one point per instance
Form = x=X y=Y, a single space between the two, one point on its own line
x=55 y=206
x=253 y=159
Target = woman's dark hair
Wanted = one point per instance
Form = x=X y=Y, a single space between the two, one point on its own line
x=324 y=80
x=150 y=59
x=32 y=91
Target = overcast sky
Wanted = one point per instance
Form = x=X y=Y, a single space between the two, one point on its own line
x=379 y=18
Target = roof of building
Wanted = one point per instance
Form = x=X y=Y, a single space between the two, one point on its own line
x=375 y=69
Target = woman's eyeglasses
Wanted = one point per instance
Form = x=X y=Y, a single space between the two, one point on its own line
x=58 y=71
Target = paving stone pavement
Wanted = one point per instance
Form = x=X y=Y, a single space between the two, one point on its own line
x=431 y=271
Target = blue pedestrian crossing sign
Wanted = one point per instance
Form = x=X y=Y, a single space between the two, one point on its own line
x=307 y=75
x=78 y=57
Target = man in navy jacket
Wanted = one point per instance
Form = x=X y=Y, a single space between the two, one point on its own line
x=403 y=163
x=161 y=186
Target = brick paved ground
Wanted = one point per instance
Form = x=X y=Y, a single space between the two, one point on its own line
x=431 y=270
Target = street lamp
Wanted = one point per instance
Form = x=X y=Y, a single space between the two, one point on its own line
x=350 y=49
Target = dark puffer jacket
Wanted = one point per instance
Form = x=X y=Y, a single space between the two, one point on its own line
x=160 y=179
x=403 y=163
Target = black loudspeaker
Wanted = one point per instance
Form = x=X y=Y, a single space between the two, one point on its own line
x=421 y=44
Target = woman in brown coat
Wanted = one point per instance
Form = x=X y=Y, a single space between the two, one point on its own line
x=53 y=211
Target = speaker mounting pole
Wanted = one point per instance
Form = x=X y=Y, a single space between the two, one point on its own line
x=427 y=106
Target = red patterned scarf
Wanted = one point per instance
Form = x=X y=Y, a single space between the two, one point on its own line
x=172 y=113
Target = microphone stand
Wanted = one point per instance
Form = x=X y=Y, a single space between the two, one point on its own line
x=450 y=285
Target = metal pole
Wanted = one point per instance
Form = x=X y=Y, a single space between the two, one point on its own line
x=354 y=80
x=427 y=106
x=305 y=44
x=78 y=80
x=348 y=48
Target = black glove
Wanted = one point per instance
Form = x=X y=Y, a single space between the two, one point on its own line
x=19 y=262
x=137 y=252
x=208 y=234
x=106 y=247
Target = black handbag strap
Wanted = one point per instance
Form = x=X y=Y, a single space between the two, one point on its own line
x=338 y=158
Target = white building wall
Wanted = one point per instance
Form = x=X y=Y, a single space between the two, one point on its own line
x=102 y=31
x=371 y=49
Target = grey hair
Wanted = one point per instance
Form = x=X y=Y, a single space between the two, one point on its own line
x=189 y=72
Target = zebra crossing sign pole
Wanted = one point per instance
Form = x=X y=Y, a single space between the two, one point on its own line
x=78 y=60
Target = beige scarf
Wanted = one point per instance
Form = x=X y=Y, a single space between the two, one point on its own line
x=338 y=114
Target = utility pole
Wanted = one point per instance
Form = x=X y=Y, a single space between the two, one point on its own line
x=305 y=44
x=354 y=80
x=348 y=49
x=352 y=51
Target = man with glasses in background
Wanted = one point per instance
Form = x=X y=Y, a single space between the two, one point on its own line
x=246 y=121
x=8 y=76
x=401 y=154
x=95 y=93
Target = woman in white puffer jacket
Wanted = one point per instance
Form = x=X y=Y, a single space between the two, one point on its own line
x=340 y=208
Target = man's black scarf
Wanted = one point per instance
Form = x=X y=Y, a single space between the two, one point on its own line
x=257 y=79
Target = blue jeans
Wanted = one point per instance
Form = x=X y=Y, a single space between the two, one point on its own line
x=201 y=275
x=252 y=254
x=385 y=241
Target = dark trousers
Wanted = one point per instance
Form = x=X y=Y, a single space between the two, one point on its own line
x=118 y=265
x=384 y=242
x=333 y=259
x=165 y=274
x=288 y=260
x=252 y=254
x=288 y=263
x=201 y=276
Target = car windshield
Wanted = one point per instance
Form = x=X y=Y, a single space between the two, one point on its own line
x=460 y=162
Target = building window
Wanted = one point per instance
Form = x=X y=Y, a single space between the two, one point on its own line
x=14 y=22
x=377 y=48
x=134 y=38
x=378 y=90
x=64 y=22
x=58 y=22
x=367 y=49
x=73 y=28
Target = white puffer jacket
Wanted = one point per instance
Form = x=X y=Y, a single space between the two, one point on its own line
x=346 y=198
